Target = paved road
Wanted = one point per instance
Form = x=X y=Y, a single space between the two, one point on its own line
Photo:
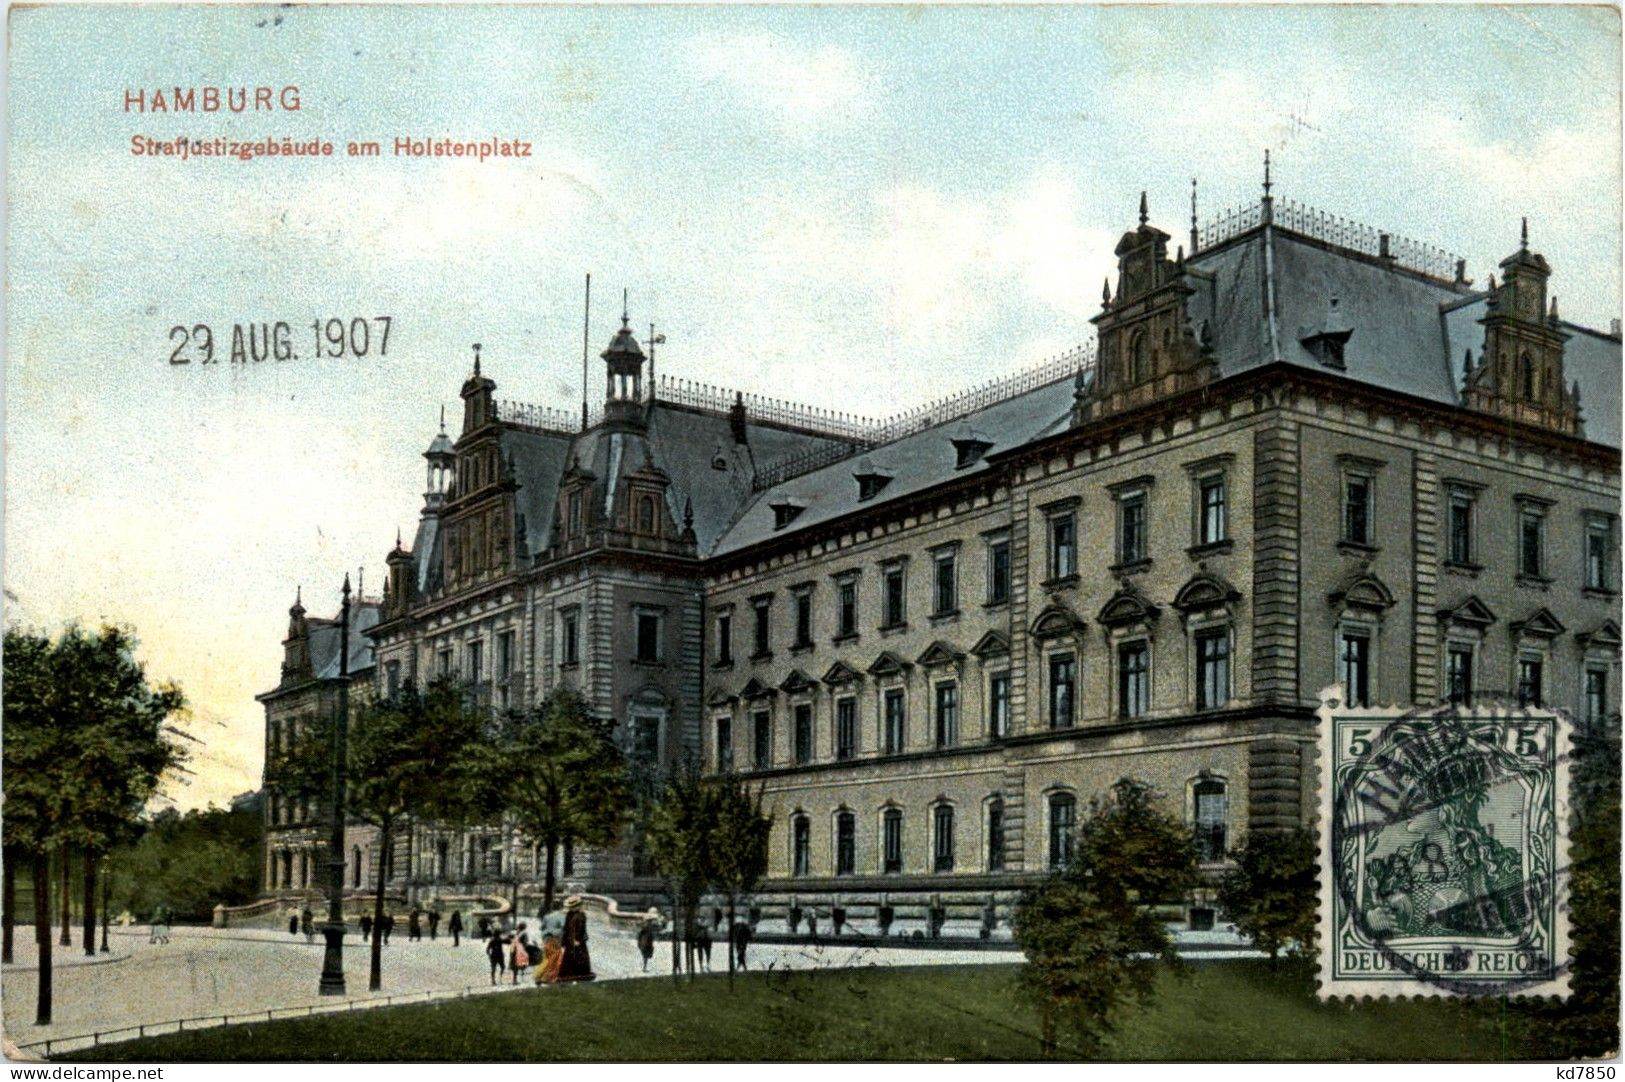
x=206 y=971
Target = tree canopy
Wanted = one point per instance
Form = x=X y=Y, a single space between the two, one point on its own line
x=1271 y=893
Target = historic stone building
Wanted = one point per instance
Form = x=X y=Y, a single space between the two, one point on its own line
x=1300 y=452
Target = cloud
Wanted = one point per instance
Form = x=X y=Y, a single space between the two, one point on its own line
x=794 y=85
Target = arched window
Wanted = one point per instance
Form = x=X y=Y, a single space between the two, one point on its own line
x=846 y=857
x=995 y=834
x=1063 y=818
x=646 y=514
x=1136 y=358
x=942 y=838
x=891 y=840
x=442 y=858
x=1526 y=375
x=1211 y=810
x=800 y=845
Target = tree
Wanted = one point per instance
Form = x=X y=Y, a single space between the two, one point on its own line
x=1271 y=894
x=738 y=849
x=677 y=834
x=1592 y=1013
x=415 y=754
x=188 y=863
x=87 y=740
x=557 y=771
x=1089 y=930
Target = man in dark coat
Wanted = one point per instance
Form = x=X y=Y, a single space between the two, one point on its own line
x=741 y=940
x=702 y=946
x=455 y=927
x=387 y=927
x=496 y=951
x=293 y=922
x=307 y=923
x=576 y=965
x=366 y=926
x=414 y=925
x=434 y=924
x=646 y=942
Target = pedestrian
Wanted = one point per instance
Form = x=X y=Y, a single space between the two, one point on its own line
x=414 y=929
x=455 y=927
x=366 y=926
x=388 y=927
x=496 y=951
x=293 y=921
x=576 y=965
x=159 y=932
x=434 y=924
x=307 y=923
x=524 y=952
x=702 y=944
x=485 y=927
x=646 y=942
x=552 y=932
x=741 y=940
x=812 y=925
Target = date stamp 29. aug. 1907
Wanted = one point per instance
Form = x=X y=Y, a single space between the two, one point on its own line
x=1444 y=835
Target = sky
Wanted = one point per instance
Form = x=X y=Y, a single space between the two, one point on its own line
x=857 y=208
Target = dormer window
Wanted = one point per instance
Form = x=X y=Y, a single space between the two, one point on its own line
x=785 y=512
x=1328 y=340
x=871 y=479
x=969 y=449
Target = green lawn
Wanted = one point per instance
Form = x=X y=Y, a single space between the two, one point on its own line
x=1238 y=1010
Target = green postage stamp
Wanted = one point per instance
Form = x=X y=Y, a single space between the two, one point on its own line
x=1443 y=853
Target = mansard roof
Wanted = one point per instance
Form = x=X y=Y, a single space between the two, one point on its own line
x=939 y=654
x=1540 y=624
x=993 y=643
x=888 y=664
x=840 y=674
x=1055 y=620
x=1205 y=590
x=1470 y=612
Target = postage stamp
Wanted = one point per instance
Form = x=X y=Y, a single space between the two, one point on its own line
x=1443 y=850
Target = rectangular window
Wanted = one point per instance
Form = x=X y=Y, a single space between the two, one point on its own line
x=804 y=733
x=1357 y=508
x=891 y=831
x=1354 y=667
x=725 y=638
x=504 y=656
x=846 y=855
x=1212 y=669
x=1599 y=538
x=1531 y=537
x=1063 y=678
x=1460 y=528
x=947 y=715
x=998 y=704
x=760 y=648
x=1459 y=674
x=846 y=728
x=1063 y=546
x=800 y=845
x=762 y=743
x=894 y=720
x=1133 y=679
x=445 y=663
x=1211 y=812
x=893 y=597
x=945 y=585
x=1212 y=522
x=645 y=743
x=848 y=598
x=648 y=627
x=392 y=678
x=1131 y=528
x=569 y=637
x=998 y=572
x=1063 y=814
x=803 y=619
x=476 y=661
x=1596 y=693
x=942 y=838
x=1530 y=672
x=725 y=745
x=995 y=835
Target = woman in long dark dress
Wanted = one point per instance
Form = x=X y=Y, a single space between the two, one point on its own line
x=576 y=965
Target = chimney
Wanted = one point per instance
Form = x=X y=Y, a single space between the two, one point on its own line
x=1613 y=327
x=1461 y=272
x=1382 y=247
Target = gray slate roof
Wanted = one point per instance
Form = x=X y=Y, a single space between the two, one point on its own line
x=324 y=641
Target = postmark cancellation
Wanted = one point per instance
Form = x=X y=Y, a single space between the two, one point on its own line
x=1443 y=850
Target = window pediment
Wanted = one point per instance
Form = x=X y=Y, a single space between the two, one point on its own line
x=939 y=654
x=888 y=664
x=1204 y=591
x=1605 y=637
x=1471 y=613
x=993 y=644
x=796 y=682
x=721 y=697
x=1056 y=620
x=840 y=674
x=1128 y=606
x=755 y=689
x=1541 y=625
x=1363 y=590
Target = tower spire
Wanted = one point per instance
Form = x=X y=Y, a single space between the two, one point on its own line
x=1523 y=237
x=1267 y=184
x=1193 y=215
x=1143 y=215
x=476 y=358
x=626 y=318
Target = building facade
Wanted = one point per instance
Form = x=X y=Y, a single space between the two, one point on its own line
x=1294 y=456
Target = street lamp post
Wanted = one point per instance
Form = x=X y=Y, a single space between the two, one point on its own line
x=332 y=982
x=107 y=897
